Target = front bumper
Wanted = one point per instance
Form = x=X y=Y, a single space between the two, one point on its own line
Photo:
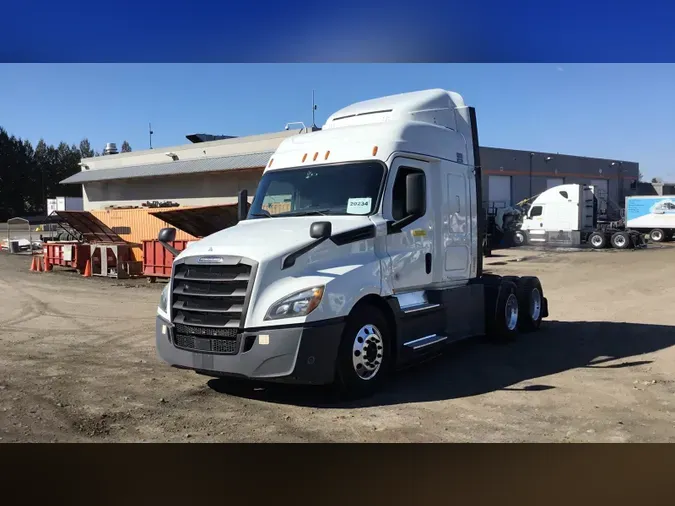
x=288 y=354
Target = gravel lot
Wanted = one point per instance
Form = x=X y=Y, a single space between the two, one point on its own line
x=77 y=363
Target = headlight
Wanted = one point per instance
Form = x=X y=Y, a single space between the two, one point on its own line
x=164 y=299
x=298 y=304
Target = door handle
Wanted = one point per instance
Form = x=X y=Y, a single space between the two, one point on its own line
x=427 y=262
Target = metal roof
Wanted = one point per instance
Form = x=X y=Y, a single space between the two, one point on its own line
x=197 y=165
x=89 y=227
x=200 y=221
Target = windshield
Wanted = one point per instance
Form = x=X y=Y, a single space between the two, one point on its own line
x=344 y=189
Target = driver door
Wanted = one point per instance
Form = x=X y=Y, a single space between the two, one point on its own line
x=411 y=248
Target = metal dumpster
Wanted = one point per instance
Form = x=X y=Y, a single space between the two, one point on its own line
x=196 y=221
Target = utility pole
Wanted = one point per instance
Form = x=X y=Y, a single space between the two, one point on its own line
x=151 y=132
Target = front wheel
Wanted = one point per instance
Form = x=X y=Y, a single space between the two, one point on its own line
x=364 y=354
x=519 y=238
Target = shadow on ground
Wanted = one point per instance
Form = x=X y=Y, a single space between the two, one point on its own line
x=476 y=367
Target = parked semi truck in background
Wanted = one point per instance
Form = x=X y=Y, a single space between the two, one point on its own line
x=567 y=215
x=374 y=261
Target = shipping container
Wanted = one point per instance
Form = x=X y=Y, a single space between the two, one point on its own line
x=136 y=226
x=64 y=204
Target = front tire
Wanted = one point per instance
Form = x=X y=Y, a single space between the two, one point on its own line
x=364 y=354
x=519 y=238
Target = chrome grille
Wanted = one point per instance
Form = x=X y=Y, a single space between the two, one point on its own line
x=208 y=304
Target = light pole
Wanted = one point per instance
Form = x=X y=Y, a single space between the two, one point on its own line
x=531 y=156
x=619 y=177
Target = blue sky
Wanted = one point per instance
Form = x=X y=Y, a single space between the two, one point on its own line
x=619 y=111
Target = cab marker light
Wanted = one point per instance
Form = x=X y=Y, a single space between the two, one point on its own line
x=315 y=155
x=327 y=154
x=374 y=150
x=304 y=157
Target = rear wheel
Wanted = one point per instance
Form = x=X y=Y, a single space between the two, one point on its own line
x=597 y=240
x=364 y=353
x=531 y=300
x=620 y=240
x=657 y=235
x=503 y=323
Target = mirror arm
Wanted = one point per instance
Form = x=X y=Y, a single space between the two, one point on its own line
x=170 y=248
x=397 y=226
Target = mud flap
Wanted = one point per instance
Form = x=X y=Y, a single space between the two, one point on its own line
x=544 y=308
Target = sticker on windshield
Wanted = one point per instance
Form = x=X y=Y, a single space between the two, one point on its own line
x=359 y=206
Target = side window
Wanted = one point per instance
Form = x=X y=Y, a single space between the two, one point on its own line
x=536 y=211
x=398 y=192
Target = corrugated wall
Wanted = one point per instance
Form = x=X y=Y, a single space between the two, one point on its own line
x=137 y=225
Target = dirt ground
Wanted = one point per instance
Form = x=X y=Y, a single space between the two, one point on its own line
x=77 y=363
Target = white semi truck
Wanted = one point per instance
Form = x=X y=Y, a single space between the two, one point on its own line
x=361 y=252
x=567 y=215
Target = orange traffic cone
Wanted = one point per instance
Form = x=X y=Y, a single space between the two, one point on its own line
x=87 y=269
x=33 y=265
x=48 y=264
x=39 y=264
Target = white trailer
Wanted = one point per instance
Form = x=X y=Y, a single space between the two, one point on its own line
x=652 y=215
x=64 y=204
x=374 y=263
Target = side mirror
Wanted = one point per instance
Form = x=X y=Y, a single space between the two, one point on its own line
x=320 y=230
x=415 y=194
x=242 y=205
x=167 y=235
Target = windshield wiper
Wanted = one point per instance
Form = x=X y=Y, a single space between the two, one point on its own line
x=313 y=212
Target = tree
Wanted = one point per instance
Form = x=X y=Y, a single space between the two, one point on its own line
x=85 y=148
x=125 y=147
x=657 y=180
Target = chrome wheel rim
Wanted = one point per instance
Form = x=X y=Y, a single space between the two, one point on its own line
x=367 y=352
x=619 y=240
x=596 y=240
x=656 y=236
x=535 y=304
x=511 y=312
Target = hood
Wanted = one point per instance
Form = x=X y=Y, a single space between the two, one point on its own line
x=267 y=238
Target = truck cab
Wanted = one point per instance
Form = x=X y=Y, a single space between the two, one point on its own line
x=562 y=214
x=359 y=253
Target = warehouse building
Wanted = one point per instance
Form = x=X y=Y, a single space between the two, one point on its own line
x=210 y=172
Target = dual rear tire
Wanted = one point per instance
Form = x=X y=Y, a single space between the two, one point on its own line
x=518 y=307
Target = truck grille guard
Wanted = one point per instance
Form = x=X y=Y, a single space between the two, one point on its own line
x=209 y=301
